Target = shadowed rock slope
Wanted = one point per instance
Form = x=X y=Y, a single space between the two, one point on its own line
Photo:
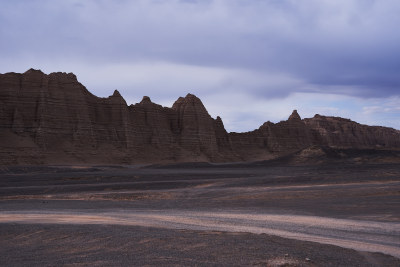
x=55 y=119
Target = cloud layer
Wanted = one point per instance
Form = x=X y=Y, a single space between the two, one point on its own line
x=339 y=57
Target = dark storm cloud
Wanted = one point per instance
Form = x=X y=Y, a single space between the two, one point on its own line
x=323 y=43
x=264 y=49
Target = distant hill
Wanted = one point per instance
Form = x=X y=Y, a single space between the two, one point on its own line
x=54 y=119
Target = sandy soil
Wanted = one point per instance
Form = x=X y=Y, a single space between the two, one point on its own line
x=195 y=207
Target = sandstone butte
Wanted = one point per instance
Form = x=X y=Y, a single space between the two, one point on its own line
x=54 y=119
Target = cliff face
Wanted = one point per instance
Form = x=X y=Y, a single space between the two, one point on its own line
x=58 y=117
x=339 y=132
x=55 y=119
x=272 y=140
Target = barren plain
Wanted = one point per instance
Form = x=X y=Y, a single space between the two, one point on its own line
x=201 y=214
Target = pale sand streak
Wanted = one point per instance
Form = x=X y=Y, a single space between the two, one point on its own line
x=360 y=235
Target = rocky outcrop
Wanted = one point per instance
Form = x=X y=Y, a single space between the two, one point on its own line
x=195 y=126
x=60 y=116
x=55 y=119
x=198 y=133
x=273 y=139
x=339 y=132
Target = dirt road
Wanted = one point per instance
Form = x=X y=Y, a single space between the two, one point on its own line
x=353 y=207
x=355 y=234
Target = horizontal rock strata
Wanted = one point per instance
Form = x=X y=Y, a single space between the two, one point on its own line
x=54 y=119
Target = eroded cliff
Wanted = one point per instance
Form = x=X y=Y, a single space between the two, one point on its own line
x=55 y=119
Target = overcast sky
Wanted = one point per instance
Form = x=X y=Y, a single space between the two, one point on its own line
x=249 y=61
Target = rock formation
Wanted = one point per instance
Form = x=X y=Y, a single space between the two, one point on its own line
x=55 y=119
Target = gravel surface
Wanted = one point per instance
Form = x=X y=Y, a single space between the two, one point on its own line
x=116 y=245
x=355 y=234
x=200 y=215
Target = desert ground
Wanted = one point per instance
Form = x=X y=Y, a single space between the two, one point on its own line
x=201 y=214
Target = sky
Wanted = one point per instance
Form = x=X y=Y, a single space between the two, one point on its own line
x=249 y=61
